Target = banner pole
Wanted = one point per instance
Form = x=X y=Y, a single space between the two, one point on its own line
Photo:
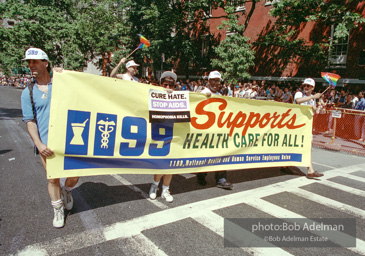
x=326 y=89
x=132 y=52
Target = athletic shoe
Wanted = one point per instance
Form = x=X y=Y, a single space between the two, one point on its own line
x=153 y=191
x=59 y=217
x=68 y=201
x=224 y=185
x=166 y=194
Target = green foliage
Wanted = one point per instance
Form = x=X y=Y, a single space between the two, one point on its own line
x=292 y=14
x=70 y=32
x=234 y=54
x=75 y=32
x=174 y=29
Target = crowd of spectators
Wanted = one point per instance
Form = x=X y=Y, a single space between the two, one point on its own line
x=345 y=96
x=17 y=81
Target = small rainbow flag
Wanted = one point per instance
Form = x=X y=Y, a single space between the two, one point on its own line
x=144 y=42
x=330 y=78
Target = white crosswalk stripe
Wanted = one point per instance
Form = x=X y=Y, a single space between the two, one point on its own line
x=343 y=188
x=202 y=212
x=329 y=202
x=282 y=213
x=354 y=177
x=215 y=223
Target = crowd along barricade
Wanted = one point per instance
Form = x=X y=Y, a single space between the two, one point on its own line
x=338 y=129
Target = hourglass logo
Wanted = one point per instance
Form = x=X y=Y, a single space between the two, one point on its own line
x=77 y=130
x=77 y=135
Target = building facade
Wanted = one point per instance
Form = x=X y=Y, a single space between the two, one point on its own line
x=347 y=57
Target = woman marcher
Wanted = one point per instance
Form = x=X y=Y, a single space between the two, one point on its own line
x=168 y=81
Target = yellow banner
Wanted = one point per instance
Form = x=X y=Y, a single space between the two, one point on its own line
x=101 y=125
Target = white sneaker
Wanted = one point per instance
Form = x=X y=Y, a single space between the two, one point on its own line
x=59 y=217
x=153 y=191
x=166 y=194
x=68 y=201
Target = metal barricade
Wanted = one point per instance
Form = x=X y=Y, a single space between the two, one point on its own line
x=340 y=129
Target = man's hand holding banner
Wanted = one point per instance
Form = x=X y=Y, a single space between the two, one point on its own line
x=100 y=125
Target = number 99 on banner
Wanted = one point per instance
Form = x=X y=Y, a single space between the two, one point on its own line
x=134 y=128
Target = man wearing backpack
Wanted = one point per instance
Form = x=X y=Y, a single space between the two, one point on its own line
x=35 y=101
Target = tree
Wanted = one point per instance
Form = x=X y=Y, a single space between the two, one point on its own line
x=291 y=15
x=174 y=29
x=75 y=32
x=71 y=32
x=179 y=29
x=35 y=25
x=235 y=55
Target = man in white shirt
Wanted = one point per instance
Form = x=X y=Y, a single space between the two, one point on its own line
x=214 y=81
x=248 y=91
x=131 y=70
x=308 y=99
x=253 y=93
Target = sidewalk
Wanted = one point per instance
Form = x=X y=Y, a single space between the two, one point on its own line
x=339 y=144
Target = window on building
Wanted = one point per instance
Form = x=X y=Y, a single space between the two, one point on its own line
x=338 y=53
x=240 y=6
x=205 y=45
x=362 y=58
x=270 y=2
x=229 y=33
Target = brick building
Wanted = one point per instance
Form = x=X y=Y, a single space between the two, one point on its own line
x=347 y=58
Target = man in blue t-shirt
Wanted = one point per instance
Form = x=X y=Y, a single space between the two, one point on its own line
x=36 y=101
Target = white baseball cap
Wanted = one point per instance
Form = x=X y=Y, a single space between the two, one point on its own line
x=310 y=81
x=168 y=74
x=35 y=54
x=131 y=63
x=215 y=74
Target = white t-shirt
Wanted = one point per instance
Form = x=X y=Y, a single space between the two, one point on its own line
x=248 y=93
x=253 y=95
x=310 y=102
x=129 y=78
x=230 y=92
x=241 y=94
x=206 y=90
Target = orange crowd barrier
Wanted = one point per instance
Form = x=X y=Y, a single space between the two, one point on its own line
x=340 y=129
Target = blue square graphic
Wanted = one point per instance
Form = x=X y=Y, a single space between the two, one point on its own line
x=105 y=132
x=77 y=134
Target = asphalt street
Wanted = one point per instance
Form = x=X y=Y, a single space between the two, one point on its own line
x=113 y=215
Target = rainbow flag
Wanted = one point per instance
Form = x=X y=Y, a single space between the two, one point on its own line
x=144 y=42
x=330 y=78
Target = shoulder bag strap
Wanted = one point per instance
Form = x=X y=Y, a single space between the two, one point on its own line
x=30 y=87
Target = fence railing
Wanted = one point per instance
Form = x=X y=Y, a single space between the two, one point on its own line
x=340 y=129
